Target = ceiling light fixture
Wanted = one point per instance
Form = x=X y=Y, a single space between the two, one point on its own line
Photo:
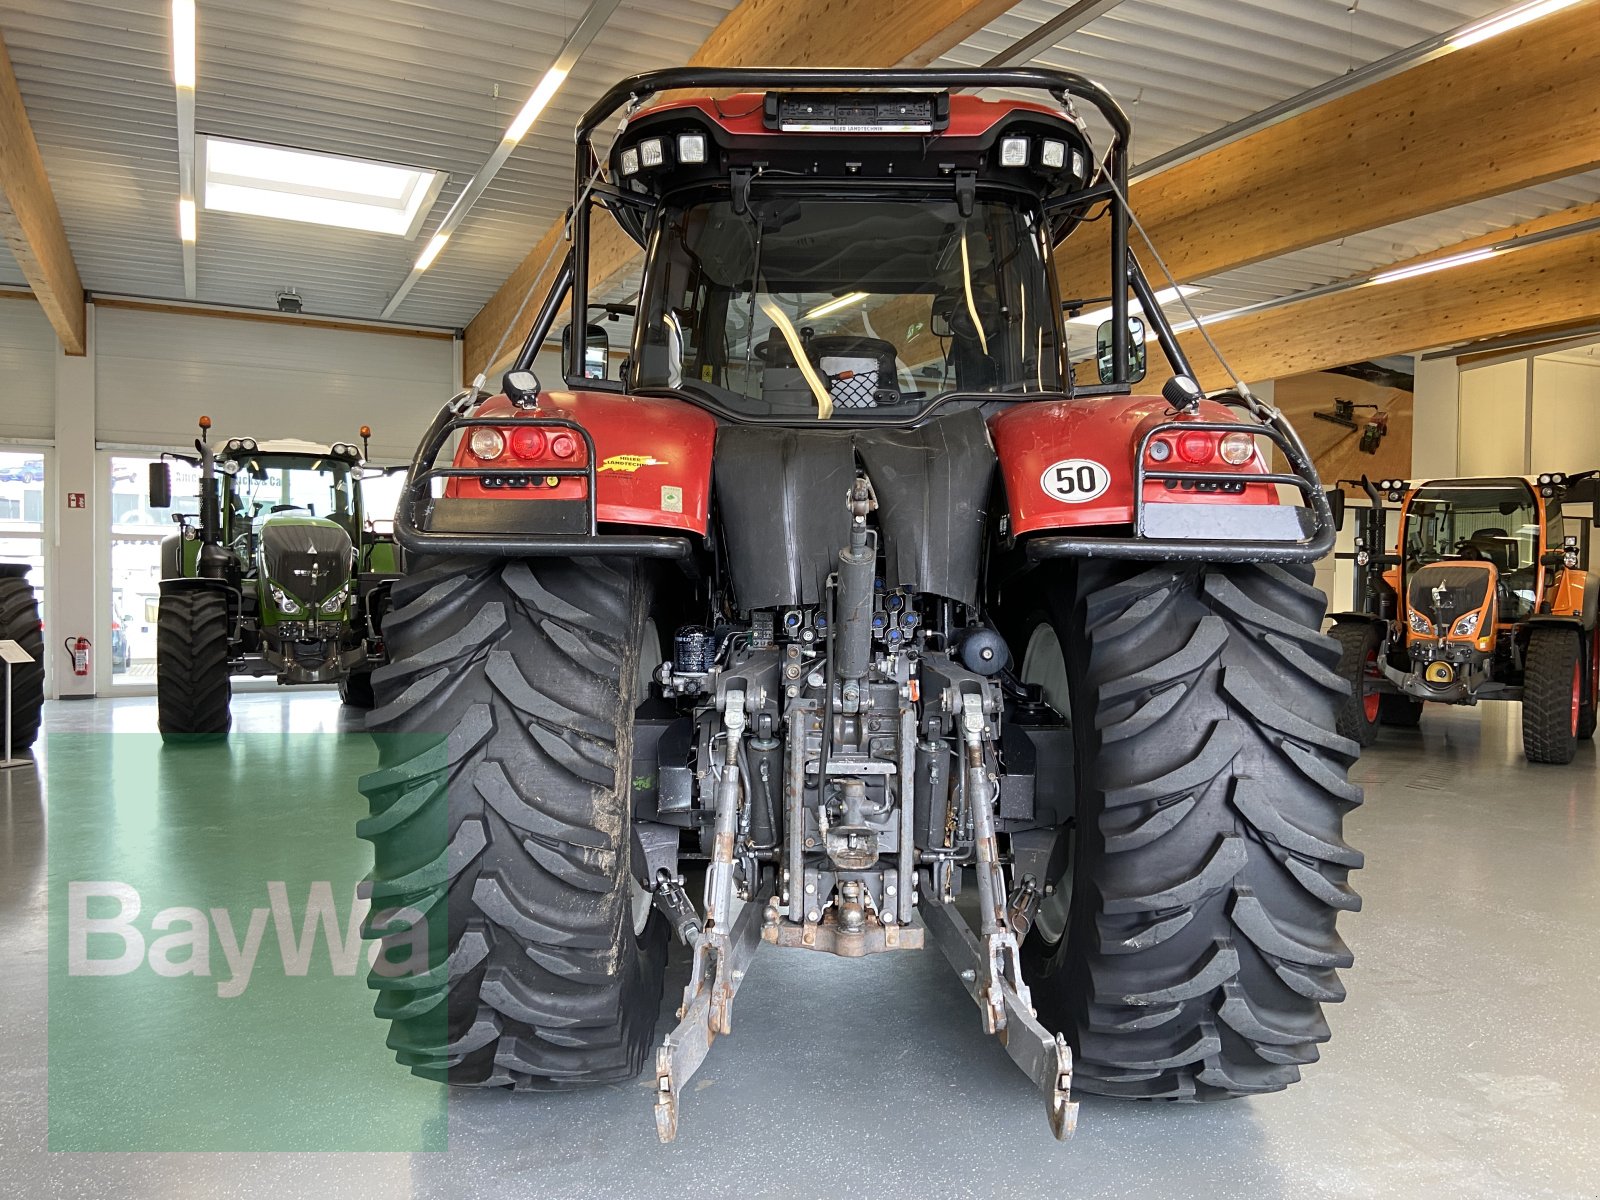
x=1164 y=297
x=183 y=43
x=589 y=25
x=1506 y=22
x=542 y=94
x=1438 y=264
x=183 y=82
x=431 y=250
x=833 y=306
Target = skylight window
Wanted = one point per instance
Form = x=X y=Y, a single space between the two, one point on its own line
x=323 y=189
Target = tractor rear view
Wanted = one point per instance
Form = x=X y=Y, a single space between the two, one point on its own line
x=1487 y=595
x=845 y=621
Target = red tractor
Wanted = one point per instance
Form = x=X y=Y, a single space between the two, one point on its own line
x=841 y=597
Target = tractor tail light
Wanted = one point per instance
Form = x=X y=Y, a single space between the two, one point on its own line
x=486 y=443
x=529 y=443
x=1196 y=447
x=1236 y=448
x=563 y=445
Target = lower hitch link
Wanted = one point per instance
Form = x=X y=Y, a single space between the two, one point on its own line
x=992 y=969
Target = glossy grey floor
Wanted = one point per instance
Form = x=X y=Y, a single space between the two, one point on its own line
x=1464 y=1063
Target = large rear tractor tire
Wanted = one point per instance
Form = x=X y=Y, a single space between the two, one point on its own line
x=1194 y=919
x=1552 y=694
x=1360 y=710
x=193 y=685
x=1399 y=712
x=355 y=689
x=19 y=622
x=514 y=837
x=1591 y=693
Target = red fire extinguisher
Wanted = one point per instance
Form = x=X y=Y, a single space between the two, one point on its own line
x=78 y=648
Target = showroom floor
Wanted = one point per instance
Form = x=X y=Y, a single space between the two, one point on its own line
x=1457 y=1066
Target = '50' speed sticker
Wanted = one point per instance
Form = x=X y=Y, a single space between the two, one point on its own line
x=1075 y=480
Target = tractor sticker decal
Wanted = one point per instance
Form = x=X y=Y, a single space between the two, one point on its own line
x=629 y=463
x=1075 y=480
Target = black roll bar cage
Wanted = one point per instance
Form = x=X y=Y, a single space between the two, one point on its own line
x=1110 y=187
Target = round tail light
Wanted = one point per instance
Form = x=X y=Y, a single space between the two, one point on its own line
x=1160 y=450
x=486 y=443
x=529 y=443
x=1196 y=447
x=1237 y=448
x=563 y=445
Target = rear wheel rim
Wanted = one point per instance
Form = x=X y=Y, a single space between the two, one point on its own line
x=1369 y=697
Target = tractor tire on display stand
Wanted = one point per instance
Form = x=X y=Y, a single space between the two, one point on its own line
x=1359 y=711
x=19 y=622
x=1552 y=694
x=555 y=956
x=1206 y=869
x=193 y=684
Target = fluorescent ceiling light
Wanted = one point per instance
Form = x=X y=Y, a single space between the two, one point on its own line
x=1438 y=264
x=547 y=88
x=1163 y=298
x=186 y=229
x=183 y=43
x=833 y=306
x=323 y=189
x=431 y=251
x=1511 y=20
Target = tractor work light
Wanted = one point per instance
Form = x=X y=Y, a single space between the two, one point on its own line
x=1014 y=152
x=691 y=147
x=651 y=153
x=249 y=444
x=1237 y=448
x=234 y=445
x=486 y=443
x=630 y=161
x=1053 y=154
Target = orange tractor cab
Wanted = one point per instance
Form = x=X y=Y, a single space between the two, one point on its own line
x=1487 y=595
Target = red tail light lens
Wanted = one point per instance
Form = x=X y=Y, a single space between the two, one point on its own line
x=1197 y=447
x=529 y=443
x=563 y=445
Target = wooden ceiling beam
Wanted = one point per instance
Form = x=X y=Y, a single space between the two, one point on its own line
x=30 y=220
x=1509 y=112
x=772 y=33
x=1520 y=290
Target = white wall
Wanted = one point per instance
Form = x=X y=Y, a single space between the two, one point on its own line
x=1435 y=418
x=1566 y=414
x=27 y=371
x=158 y=372
x=1494 y=420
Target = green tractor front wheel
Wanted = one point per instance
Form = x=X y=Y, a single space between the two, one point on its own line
x=193 y=687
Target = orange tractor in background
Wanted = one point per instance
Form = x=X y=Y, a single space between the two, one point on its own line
x=1487 y=595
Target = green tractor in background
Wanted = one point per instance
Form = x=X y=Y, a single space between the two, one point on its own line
x=279 y=573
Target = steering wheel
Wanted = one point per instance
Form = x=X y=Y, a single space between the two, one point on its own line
x=283 y=508
x=1470 y=551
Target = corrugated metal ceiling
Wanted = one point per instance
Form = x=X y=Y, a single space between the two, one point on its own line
x=414 y=81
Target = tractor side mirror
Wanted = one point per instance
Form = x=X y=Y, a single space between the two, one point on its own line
x=1336 y=503
x=596 y=350
x=160 y=485
x=1553 y=560
x=1136 y=351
